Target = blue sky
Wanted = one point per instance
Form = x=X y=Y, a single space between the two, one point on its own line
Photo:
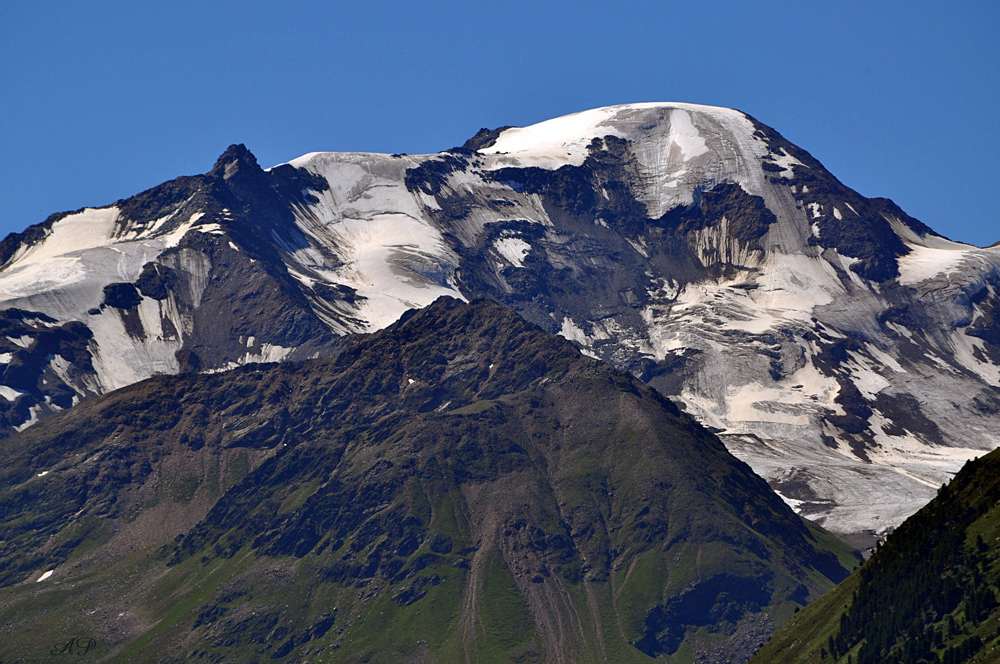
x=99 y=101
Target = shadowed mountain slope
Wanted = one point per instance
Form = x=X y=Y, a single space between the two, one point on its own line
x=458 y=487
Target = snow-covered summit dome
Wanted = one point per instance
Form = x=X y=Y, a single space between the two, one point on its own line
x=564 y=140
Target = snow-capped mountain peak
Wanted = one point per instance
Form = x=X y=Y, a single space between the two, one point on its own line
x=840 y=347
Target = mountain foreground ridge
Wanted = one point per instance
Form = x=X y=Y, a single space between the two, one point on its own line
x=844 y=350
x=460 y=486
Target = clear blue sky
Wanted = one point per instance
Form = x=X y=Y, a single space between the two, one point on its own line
x=99 y=101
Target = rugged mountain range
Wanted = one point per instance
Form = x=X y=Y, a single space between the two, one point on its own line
x=930 y=593
x=843 y=349
x=460 y=486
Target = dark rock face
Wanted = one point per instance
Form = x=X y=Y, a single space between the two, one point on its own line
x=722 y=600
x=248 y=292
x=121 y=296
x=861 y=230
x=484 y=138
x=461 y=465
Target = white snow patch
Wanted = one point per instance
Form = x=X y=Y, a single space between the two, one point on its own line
x=572 y=332
x=786 y=161
x=933 y=256
x=923 y=263
x=308 y=282
x=705 y=407
x=9 y=393
x=121 y=359
x=914 y=459
x=868 y=381
x=173 y=238
x=267 y=353
x=755 y=403
x=836 y=213
x=883 y=357
x=965 y=354
x=817 y=387
x=639 y=246
x=33 y=413
x=45 y=575
x=72 y=234
x=64 y=274
x=514 y=249
x=815 y=209
x=394 y=260
x=685 y=136
x=22 y=341
x=43 y=473
x=383 y=253
x=795 y=504
x=5 y=358
x=556 y=142
x=565 y=140
x=789 y=288
x=303 y=161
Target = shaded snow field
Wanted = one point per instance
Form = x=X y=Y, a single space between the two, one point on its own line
x=385 y=249
x=63 y=276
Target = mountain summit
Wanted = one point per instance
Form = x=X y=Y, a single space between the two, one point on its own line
x=844 y=350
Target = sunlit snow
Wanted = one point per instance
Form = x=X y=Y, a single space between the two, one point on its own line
x=514 y=249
